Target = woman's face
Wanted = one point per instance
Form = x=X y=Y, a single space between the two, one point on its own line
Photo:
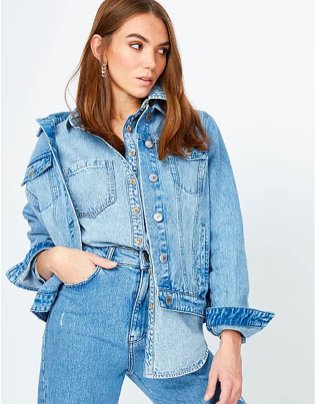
x=130 y=56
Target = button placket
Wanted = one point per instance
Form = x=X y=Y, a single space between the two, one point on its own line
x=134 y=194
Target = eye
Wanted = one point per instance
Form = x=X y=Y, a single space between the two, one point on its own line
x=136 y=44
x=165 y=51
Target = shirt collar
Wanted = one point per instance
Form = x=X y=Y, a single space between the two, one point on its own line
x=156 y=93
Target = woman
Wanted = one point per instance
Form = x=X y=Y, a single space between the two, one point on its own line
x=125 y=260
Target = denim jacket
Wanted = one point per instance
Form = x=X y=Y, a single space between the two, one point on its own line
x=191 y=212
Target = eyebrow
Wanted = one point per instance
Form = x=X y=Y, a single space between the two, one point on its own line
x=145 y=39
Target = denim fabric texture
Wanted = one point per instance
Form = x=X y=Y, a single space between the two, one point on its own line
x=94 y=337
x=184 y=212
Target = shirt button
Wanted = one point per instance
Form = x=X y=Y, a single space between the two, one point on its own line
x=151 y=305
x=148 y=143
x=158 y=217
x=128 y=128
x=188 y=151
x=153 y=177
x=163 y=257
x=136 y=210
x=132 y=181
x=169 y=299
x=138 y=240
x=132 y=152
x=148 y=116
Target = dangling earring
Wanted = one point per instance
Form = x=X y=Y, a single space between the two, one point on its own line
x=103 y=70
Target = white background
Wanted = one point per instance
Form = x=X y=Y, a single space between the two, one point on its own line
x=250 y=65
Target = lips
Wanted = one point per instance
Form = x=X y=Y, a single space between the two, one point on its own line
x=145 y=78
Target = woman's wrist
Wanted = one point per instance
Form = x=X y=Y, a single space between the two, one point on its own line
x=45 y=262
x=232 y=337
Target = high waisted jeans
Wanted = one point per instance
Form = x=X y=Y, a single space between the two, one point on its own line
x=95 y=336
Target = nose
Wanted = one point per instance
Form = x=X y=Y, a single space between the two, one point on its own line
x=149 y=60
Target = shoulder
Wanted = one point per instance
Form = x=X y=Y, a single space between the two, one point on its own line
x=211 y=128
x=208 y=122
x=52 y=120
x=41 y=150
x=41 y=146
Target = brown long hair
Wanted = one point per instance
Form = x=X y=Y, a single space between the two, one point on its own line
x=93 y=100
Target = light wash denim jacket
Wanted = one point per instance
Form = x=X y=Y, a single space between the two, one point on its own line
x=189 y=219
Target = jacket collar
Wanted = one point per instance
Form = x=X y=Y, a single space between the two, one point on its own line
x=48 y=123
x=156 y=93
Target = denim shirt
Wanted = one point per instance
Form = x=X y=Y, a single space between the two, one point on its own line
x=186 y=212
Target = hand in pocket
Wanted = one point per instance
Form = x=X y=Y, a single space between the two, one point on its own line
x=72 y=265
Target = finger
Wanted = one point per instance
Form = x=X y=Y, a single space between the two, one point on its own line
x=236 y=395
x=210 y=390
x=226 y=392
x=104 y=262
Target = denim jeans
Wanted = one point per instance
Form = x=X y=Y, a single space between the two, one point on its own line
x=95 y=336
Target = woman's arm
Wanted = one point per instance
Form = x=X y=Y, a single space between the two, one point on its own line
x=228 y=278
x=23 y=273
x=228 y=314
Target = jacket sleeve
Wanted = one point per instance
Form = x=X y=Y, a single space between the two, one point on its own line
x=228 y=276
x=24 y=274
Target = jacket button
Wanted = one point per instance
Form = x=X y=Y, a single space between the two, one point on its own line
x=153 y=177
x=158 y=217
x=148 y=116
x=132 y=152
x=136 y=209
x=132 y=181
x=169 y=299
x=128 y=128
x=148 y=143
x=138 y=240
x=151 y=306
x=163 y=257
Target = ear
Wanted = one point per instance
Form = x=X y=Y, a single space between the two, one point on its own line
x=95 y=43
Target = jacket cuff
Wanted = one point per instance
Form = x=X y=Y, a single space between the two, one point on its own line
x=22 y=274
x=34 y=270
x=246 y=320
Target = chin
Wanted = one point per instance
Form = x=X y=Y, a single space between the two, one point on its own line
x=140 y=93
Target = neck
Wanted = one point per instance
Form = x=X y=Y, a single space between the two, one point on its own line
x=124 y=105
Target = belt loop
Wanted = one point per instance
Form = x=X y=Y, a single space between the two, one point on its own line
x=143 y=259
x=111 y=251
x=146 y=256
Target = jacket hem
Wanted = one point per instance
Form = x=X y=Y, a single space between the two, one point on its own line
x=42 y=309
x=181 y=301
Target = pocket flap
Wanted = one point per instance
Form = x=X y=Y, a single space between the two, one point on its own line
x=194 y=154
x=37 y=167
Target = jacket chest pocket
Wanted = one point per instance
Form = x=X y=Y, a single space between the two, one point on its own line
x=189 y=173
x=92 y=186
x=41 y=181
